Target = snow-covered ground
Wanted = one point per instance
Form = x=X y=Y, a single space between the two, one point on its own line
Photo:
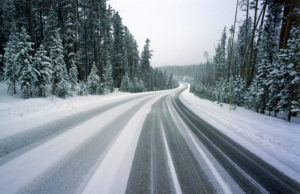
x=18 y=114
x=274 y=140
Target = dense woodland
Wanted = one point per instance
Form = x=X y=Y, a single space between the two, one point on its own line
x=256 y=64
x=64 y=47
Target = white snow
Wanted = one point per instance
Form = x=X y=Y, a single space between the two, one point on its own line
x=274 y=140
x=17 y=114
x=218 y=177
x=25 y=168
x=185 y=131
x=171 y=165
x=115 y=168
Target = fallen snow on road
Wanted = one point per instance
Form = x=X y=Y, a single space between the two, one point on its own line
x=39 y=159
x=274 y=140
x=115 y=168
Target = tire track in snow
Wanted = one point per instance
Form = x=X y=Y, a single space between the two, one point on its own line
x=150 y=170
x=20 y=171
x=192 y=177
x=258 y=177
x=171 y=165
x=73 y=170
x=13 y=146
x=112 y=174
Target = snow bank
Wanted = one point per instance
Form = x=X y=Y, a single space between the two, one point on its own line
x=274 y=140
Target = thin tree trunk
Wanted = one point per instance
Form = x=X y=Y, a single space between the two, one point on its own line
x=86 y=52
x=232 y=41
x=99 y=59
x=30 y=22
x=252 y=38
x=77 y=48
x=246 y=41
x=247 y=19
x=15 y=91
x=53 y=87
x=257 y=43
x=251 y=47
x=41 y=22
x=286 y=24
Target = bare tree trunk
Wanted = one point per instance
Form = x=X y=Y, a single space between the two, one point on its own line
x=246 y=41
x=252 y=38
x=286 y=25
x=15 y=91
x=41 y=22
x=232 y=41
x=99 y=58
x=257 y=43
x=86 y=52
x=53 y=87
x=251 y=47
x=77 y=48
x=30 y=22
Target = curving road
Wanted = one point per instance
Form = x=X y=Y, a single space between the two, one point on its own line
x=149 y=143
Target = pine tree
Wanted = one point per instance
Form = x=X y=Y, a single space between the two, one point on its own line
x=289 y=60
x=145 y=64
x=108 y=85
x=119 y=58
x=82 y=91
x=73 y=76
x=107 y=77
x=11 y=68
x=1 y=73
x=170 y=82
x=125 y=84
x=93 y=84
x=238 y=91
x=274 y=87
x=51 y=26
x=261 y=77
x=251 y=96
x=60 y=77
x=70 y=35
x=243 y=40
x=7 y=20
x=28 y=73
x=136 y=85
x=132 y=54
x=44 y=68
x=140 y=87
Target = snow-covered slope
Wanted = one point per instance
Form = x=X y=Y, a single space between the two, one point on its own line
x=274 y=140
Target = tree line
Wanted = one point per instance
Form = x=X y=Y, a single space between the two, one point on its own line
x=259 y=67
x=72 y=46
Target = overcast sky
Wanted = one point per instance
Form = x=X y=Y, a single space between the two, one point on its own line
x=179 y=30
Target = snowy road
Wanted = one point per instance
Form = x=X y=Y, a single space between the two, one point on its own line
x=147 y=143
